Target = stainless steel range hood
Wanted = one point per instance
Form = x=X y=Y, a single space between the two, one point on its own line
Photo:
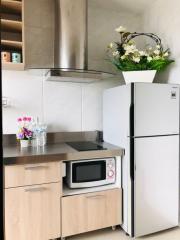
x=71 y=48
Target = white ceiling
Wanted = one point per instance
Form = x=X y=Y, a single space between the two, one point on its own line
x=136 y=6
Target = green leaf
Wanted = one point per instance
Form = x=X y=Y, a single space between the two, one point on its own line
x=126 y=34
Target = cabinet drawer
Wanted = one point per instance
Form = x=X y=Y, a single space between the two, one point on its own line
x=29 y=174
x=87 y=212
x=33 y=212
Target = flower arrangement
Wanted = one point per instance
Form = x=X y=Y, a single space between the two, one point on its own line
x=126 y=57
x=24 y=128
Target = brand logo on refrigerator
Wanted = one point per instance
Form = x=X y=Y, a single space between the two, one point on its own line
x=173 y=94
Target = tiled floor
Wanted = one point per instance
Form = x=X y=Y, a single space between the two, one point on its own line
x=108 y=234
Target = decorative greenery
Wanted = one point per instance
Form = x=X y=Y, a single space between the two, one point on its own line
x=126 y=57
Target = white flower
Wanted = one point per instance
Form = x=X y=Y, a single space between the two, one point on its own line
x=116 y=53
x=166 y=54
x=142 y=53
x=158 y=46
x=136 y=59
x=157 y=52
x=123 y=57
x=149 y=59
x=120 y=29
x=130 y=49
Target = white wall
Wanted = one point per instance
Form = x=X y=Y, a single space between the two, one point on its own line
x=163 y=18
x=68 y=106
x=102 y=22
x=25 y=94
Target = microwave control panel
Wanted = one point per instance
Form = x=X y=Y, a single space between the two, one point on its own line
x=111 y=168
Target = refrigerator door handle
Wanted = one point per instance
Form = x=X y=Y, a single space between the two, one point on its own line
x=131 y=127
x=132 y=175
x=132 y=159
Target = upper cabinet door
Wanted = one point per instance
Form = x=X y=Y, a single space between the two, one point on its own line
x=39 y=33
x=156 y=109
x=33 y=212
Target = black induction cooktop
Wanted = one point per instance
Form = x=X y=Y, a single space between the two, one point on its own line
x=86 y=146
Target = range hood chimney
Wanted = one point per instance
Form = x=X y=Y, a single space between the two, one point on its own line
x=71 y=49
x=71 y=34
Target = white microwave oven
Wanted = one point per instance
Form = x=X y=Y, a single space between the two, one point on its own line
x=90 y=172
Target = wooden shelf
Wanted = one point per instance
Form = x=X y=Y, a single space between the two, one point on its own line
x=14 y=44
x=11 y=5
x=13 y=66
x=12 y=31
x=10 y=25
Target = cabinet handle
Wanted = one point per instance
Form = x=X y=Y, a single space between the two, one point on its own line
x=35 y=167
x=95 y=196
x=37 y=189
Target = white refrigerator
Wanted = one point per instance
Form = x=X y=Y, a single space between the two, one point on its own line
x=143 y=118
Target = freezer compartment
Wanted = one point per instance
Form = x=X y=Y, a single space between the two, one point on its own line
x=156 y=109
x=156 y=184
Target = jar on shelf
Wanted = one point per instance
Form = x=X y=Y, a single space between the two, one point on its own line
x=16 y=57
x=6 y=56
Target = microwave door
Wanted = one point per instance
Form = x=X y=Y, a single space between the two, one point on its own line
x=88 y=174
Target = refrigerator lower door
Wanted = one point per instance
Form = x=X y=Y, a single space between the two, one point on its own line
x=156 y=185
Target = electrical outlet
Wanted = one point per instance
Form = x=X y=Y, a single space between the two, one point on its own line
x=5 y=102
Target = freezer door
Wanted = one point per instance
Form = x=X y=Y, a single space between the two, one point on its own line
x=156 y=109
x=156 y=199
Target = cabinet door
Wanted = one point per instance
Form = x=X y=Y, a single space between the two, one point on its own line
x=87 y=212
x=32 y=212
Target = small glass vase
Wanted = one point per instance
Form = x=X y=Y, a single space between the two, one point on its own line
x=24 y=143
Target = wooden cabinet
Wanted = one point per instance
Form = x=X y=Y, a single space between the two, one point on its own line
x=87 y=212
x=29 y=174
x=32 y=201
x=36 y=210
x=12 y=31
x=33 y=212
x=39 y=33
x=27 y=27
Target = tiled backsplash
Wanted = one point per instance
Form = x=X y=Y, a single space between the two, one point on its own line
x=63 y=106
x=59 y=137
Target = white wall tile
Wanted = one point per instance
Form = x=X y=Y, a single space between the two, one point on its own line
x=25 y=94
x=62 y=106
x=92 y=105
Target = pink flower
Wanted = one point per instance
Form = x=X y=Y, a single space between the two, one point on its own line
x=24 y=118
x=19 y=119
x=29 y=119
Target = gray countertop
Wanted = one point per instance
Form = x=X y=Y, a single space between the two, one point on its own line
x=55 y=152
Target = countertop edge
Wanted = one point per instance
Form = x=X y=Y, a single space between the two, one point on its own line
x=21 y=160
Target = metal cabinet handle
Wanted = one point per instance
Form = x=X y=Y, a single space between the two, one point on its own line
x=35 y=167
x=95 y=196
x=37 y=189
